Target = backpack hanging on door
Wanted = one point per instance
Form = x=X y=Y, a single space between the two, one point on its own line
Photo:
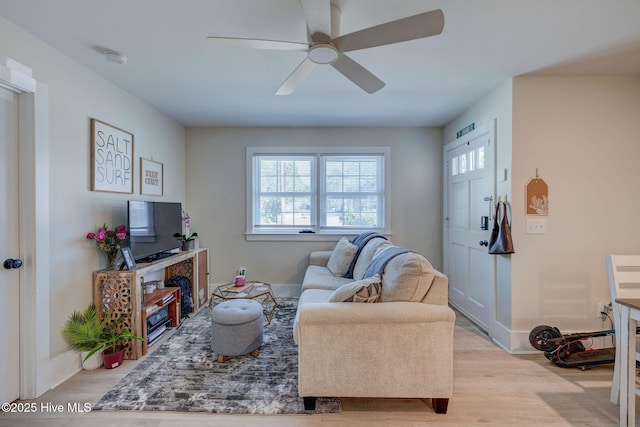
x=500 y=242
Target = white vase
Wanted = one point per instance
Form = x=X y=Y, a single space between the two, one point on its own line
x=94 y=362
x=195 y=245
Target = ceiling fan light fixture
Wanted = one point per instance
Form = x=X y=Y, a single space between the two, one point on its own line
x=323 y=53
x=114 y=56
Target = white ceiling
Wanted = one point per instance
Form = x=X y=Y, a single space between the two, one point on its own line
x=172 y=67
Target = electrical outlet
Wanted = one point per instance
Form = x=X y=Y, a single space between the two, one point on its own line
x=601 y=310
x=242 y=271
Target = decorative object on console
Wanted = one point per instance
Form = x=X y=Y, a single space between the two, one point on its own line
x=151 y=177
x=186 y=240
x=128 y=259
x=109 y=242
x=111 y=158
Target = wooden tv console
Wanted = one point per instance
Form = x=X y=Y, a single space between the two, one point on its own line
x=121 y=292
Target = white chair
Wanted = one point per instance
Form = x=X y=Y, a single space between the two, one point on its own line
x=624 y=282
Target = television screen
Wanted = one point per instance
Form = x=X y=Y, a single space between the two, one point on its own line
x=152 y=226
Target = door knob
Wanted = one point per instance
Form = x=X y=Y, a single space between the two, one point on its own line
x=10 y=263
x=484 y=243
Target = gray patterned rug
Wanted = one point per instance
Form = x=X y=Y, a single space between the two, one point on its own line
x=183 y=374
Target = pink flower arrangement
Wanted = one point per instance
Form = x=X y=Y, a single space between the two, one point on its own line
x=109 y=240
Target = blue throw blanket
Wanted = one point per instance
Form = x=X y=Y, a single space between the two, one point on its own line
x=360 y=241
x=380 y=262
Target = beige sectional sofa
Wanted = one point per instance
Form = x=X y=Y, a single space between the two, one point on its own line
x=401 y=346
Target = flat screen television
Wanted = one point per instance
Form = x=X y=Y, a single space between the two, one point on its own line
x=152 y=226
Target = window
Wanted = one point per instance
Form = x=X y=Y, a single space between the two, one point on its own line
x=318 y=190
x=352 y=191
x=284 y=191
x=468 y=161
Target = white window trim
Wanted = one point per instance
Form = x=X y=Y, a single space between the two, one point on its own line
x=326 y=234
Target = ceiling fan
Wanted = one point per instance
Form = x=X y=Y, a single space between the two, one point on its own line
x=325 y=46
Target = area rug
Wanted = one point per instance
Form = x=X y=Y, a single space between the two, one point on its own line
x=183 y=374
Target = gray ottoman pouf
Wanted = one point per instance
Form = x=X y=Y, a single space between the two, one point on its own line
x=236 y=328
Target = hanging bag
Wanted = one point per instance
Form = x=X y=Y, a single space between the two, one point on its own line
x=500 y=242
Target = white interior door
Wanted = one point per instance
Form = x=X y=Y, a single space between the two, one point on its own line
x=469 y=190
x=9 y=248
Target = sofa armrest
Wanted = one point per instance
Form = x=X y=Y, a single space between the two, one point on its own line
x=391 y=349
x=320 y=258
x=439 y=290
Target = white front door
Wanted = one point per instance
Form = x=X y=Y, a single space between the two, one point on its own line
x=9 y=248
x=469 y=193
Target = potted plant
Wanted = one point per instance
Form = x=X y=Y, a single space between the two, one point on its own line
x=112 y=346
x=186 y=240
x=83 y=331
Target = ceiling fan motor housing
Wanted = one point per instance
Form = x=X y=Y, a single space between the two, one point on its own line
x=323 y=53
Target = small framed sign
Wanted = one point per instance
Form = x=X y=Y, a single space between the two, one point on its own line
x=151 y=177
x=128 y=258
x=111 y=158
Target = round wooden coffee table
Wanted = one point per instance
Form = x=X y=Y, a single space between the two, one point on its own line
x=259 y=291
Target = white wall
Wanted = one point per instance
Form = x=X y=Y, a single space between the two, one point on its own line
x=582 y=135
x=216 y=195
x=75 y=95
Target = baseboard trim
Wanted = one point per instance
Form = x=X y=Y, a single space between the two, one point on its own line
x=63 y=367
x=290 y=290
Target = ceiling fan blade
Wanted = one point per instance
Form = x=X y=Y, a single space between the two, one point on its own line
x=303 y=70
x=357 y=74
x=409 y=28
x=318 y=13
x=258 y=43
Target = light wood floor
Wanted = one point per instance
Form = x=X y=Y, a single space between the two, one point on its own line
x=491 y=388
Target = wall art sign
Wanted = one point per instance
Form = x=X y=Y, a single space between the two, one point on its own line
x=537 y=197
x=151 y=177
x=111 y=158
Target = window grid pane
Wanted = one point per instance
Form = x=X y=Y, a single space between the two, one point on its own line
x=481 y=157
x=284 y=191
x=353 y=186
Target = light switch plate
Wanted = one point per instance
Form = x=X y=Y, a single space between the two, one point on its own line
x=536 y=226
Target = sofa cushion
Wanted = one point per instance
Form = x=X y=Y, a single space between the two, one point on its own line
x=407 y=277
x=318 y=277
x=341 y=257
x=366 y=290
x=366 y=255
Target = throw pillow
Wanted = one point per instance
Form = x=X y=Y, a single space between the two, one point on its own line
x=341 y=257
x=365 y=290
